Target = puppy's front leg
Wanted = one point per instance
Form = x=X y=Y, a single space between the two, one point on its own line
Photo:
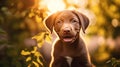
x=57 y=59
x=60 y=62
x=80 y=62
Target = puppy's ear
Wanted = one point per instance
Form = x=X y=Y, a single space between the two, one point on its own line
x=84 y=21
x=50 y=20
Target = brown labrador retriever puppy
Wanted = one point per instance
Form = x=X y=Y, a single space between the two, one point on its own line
x=69 y=50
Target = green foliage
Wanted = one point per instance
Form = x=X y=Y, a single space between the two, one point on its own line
x=2 y=31
x=107 y=14
x=41 y=37
x=33 y=58
x=114 y=62
x=19 y=21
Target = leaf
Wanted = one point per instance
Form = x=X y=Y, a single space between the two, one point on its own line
x=48 y=38
x=35 y=63
x=113 y=62
x=40 y=43
x=31 y=15
x=23 y=52
x=38 y=54
x=29 y=65
x=39 y=37
x=28 y=59
x=34 y=49
x=38 y=19
x=38 y=60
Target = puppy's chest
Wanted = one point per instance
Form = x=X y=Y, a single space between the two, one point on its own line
x=71 y=52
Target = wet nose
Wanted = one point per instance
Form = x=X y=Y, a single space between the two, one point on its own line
x=66 y=30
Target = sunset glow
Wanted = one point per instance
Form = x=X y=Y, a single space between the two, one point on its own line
x=55 y=5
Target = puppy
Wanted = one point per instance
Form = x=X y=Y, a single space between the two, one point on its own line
x=69 y=50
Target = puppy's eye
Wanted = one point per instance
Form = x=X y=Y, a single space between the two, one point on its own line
x=59 y=21
x=74 y=21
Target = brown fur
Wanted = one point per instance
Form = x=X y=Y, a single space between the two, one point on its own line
x=67 y=25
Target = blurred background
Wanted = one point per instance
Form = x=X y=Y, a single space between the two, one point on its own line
x=25 y=42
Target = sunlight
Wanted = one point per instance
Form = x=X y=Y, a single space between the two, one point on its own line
x=58 y=5
x=115 y=22
x=53 y=5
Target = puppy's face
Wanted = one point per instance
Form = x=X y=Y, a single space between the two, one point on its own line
x=67 y=24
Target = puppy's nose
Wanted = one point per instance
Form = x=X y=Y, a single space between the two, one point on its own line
x=66 y=30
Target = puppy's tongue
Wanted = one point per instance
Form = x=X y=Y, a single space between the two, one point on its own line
x=67 y=39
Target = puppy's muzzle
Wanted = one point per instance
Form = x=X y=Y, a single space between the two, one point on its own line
x=66 y=30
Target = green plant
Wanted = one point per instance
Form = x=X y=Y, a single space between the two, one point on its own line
x=114 y=62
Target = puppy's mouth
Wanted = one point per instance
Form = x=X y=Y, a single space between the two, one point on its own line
x=68 y=38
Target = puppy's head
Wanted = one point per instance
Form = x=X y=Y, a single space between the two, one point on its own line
x=67 y=24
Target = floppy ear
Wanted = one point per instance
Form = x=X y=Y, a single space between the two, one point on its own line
x=50 y=20
x=84 y=21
